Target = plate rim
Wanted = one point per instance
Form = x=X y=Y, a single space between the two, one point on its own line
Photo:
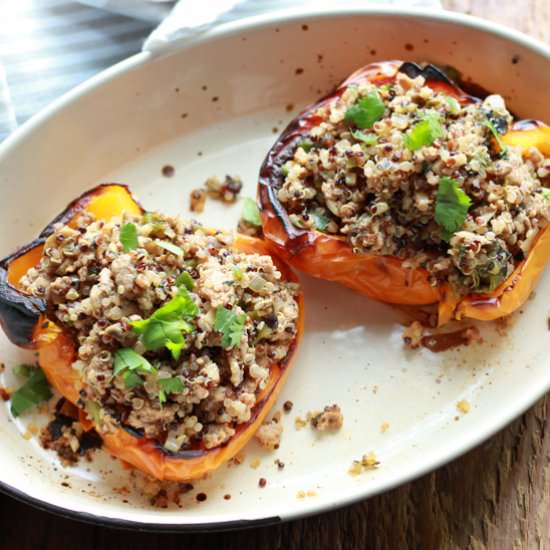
x=485 y=429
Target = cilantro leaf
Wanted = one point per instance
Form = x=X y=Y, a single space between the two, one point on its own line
x=454 y=105
x=128 y=359
x=132 y=379
x=546 y=193
x=184 y=279
x=367 y=139
x=171 y=385
x=319 y=220
x=366 y=111
x=170 y=247
x=250 y=212
x=128 y=237
x=22 y=371
x=424 y=133
x=34 y=391
x=502 y=147
x=230 y=325
x=451 y=207
x=166 y=326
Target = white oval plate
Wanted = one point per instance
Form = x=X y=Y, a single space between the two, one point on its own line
x=211 y=108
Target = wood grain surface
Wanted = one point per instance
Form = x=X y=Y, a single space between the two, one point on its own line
x=495 y=497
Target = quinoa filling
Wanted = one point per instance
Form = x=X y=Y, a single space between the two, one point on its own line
x=176 y=332
x=406 y=171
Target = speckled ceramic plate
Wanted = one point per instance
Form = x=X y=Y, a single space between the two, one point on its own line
x=214 y=107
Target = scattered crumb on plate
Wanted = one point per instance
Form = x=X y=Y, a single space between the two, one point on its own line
x=463 y=406
x=384 y=427
x=367 y=462
x=331 y=418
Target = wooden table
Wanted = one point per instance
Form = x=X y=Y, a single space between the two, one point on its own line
x=495 y=497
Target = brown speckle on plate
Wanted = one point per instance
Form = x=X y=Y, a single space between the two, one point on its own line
x=227 y=497
x=184 y=115
x=215 y=98
x=275 y=130
x=409 y=47
x=289 y=107
x=305 y=28
x=262 y=482
x=204 y=87
x=168 y=171
x=201 y=497
x=299 y=70
x=515 y=59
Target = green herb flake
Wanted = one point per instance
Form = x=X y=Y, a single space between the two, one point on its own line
x=93 y=411
x=34 y=391
x=22 y=371
x=502 y=147
x=170 y=247
x=285 y=169
x=306 y=144
x=451 y=207
x=184 y=279
x=424 y=133
x=230 y=325
x=367 y=139
x=321 y=222
x=167 y=325
x=366 y=111
x=546 y=193
x=132 y=379
x=171 y=385
x=128 y=237
x=250 y=212
x=126 y=359
x=238 y=274
x=453 y=104
x=162 y=396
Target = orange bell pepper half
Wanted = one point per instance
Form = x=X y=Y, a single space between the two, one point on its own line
x=384 y=278
x=57 y=351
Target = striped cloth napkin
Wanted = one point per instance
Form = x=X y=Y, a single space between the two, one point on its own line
x=49 y=46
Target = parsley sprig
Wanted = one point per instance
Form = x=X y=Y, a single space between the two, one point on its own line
x=451 y=207
x=366 y=111
x=231 y=325
x=34 y=391
x=128 y=237
x=424 y=133
x=168 y=324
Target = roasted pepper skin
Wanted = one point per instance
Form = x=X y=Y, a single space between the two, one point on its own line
x=384 y=278
x=24 y=319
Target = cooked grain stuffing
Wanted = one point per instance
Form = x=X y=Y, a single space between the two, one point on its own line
x=175 y=331
x=405 y=171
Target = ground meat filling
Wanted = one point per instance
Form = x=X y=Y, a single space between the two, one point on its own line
x=236 y=318
x=379 y=191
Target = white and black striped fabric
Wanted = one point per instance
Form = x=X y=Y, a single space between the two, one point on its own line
x=49 y=46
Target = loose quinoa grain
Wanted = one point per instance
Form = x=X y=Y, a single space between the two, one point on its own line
x=381 y=195
x=95 y=290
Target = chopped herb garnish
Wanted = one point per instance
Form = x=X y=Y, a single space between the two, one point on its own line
x=285 y=169
x=546 y=193
x=306 y=144
x=366 y=111
x=424 y=132
x=454 y=105
x=230 y=325
x=502 y=147
x=171 y=247
x=93 y=411
x=321 y=222
x=126 y=359
x=128 y=237
x=166 y=326
x=132 y=379
x=367 y=139
x=22 y=371
x=238 y=273
x=162 y=396
x=250 y=212
x=34 y=391
x=184 y=279
x=451 y=207
x=171 y=385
